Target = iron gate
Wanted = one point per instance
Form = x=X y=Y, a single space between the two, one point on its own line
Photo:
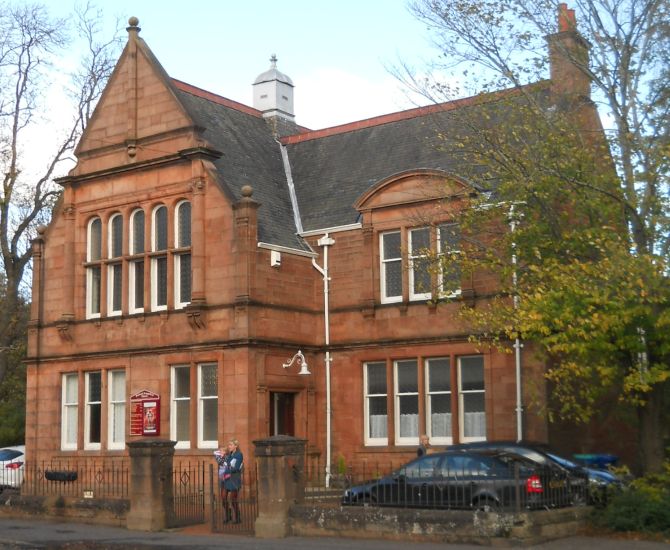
x=188 y=494
x=234 y=517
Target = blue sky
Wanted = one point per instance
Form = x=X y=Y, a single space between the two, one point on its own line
x=336 y=53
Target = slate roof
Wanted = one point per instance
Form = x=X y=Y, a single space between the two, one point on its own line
x=334 y=167
x=249 y=156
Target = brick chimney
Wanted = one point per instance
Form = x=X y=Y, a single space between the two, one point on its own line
x=569 y=57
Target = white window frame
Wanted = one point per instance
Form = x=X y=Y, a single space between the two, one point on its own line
x=181 y=444
x=205 y=443
x=134 y=263
x=382 y=268
x=155 y=259
x=90 y=314
x=399 y=440
x=91 y=445
x=115 y=377
x=461 y=407
x=414 y=257
x=441 y=253
x=114 y=291
x=436 y=440
x=373 y=441
x=69 y=409
x=178 y=258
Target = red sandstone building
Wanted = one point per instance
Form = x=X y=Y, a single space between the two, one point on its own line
x=201 y=243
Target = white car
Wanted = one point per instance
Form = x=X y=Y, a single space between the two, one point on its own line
x=12 y=461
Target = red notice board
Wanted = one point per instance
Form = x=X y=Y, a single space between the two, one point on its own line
x=145 y=413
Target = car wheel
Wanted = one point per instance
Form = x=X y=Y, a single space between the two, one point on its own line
x=486 y=505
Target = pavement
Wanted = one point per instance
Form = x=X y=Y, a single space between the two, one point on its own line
x=23 y=534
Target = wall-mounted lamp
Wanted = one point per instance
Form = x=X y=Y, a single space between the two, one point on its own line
x=300 y=359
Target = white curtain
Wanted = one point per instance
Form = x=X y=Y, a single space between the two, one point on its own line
x=475 y=424
x=378 y=426
x=440 y=425
x=409 y=425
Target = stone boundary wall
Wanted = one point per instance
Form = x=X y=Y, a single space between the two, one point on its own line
x=446 y=526
x=97 y=511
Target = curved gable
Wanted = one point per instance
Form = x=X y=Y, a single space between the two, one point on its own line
x=413 y=186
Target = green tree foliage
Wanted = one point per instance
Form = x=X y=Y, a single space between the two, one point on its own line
x=575 y=227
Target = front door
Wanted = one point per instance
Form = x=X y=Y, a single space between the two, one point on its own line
x=282 y=413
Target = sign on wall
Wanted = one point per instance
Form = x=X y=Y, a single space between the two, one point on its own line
x=145 y=407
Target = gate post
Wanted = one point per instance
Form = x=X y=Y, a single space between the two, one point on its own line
x=281 y=482
x=150 y=488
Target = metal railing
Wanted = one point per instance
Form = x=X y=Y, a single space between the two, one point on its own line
x=78 y=477
x=188 y=493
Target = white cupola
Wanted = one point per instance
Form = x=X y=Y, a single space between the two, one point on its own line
x=273 y=93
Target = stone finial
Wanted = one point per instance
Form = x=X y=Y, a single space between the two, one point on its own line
x=133 y=24
x=273 y=61
x=41 y=230
x=247 y=191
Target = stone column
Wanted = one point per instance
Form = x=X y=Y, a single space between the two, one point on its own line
x=281 y=482
x=150 y=484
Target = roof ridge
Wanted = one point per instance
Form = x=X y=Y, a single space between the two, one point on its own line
x=215 y=98
x=405 y=115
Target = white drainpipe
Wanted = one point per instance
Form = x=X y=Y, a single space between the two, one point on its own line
x=325 y=242
x=517 y=342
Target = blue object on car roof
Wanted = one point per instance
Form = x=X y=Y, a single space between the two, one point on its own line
x=596 y=460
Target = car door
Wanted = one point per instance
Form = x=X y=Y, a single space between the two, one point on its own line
x=419 y=481
x=454 y=482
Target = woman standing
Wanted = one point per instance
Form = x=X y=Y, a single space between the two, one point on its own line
x=231 y=465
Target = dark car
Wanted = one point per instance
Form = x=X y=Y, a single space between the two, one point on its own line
x=602 y=483
x=457 y=480
x=555 y=471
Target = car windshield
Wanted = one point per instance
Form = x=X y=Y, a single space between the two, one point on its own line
x=9 y=454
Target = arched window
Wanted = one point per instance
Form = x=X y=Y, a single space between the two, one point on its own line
x=136 y=264
x=93 y=267
x=182 y=258
x=159 y=232
x=114 y=267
